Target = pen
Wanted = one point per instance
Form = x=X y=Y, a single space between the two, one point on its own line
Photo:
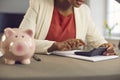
x=35 y=57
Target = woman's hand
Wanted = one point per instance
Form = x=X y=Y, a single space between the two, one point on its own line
x=70 y=44
x=110 y=49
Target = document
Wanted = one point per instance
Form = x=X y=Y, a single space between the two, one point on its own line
x=1 y=54
x=92 y=59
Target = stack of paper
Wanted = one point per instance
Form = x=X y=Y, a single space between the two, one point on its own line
x=93 y=58
x=1 y=54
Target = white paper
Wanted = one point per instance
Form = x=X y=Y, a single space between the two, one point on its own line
x=93 y=58
x=1 y=54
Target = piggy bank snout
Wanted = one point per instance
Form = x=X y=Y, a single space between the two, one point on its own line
x=18 y=48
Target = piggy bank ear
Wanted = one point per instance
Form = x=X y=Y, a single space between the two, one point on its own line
x=29 y=32
x=9 y=32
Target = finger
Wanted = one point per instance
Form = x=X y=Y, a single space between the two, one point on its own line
x=61 y=46
x=104 y=45
x=63 y=49
x=76 y=44
x=67 y=46
x=72 y=43
x=109 y=53
x=110 y=47
x=81 y=42
x=104 y=53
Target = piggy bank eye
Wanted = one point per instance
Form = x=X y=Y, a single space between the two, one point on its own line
x=16 y=36
x=22 y=36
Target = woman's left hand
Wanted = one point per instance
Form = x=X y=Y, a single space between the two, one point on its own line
x=110 y=49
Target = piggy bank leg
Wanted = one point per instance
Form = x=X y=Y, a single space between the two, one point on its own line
x=26 y=61
x=9 y=61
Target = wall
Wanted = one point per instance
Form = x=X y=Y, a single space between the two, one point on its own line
x=87 y=2
x=20 y=6
x=14 y=6
x=11 y=7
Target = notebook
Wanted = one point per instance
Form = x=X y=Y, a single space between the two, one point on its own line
x=92 y=59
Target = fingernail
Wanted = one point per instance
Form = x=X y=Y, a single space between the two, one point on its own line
x=107 y=54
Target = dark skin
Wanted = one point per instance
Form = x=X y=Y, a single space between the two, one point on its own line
x=110 y=49
x=65 y=7
x=69 y=44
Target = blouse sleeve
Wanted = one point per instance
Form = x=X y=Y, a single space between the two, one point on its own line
x=30 y=21
x=94 y=37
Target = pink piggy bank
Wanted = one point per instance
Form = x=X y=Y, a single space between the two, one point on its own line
x=17 y=45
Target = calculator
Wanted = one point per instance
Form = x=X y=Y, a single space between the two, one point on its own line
x=93 y=52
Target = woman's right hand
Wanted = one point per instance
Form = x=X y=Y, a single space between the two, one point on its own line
x=69 y=44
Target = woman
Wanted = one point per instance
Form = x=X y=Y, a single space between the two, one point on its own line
x=62 y=25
